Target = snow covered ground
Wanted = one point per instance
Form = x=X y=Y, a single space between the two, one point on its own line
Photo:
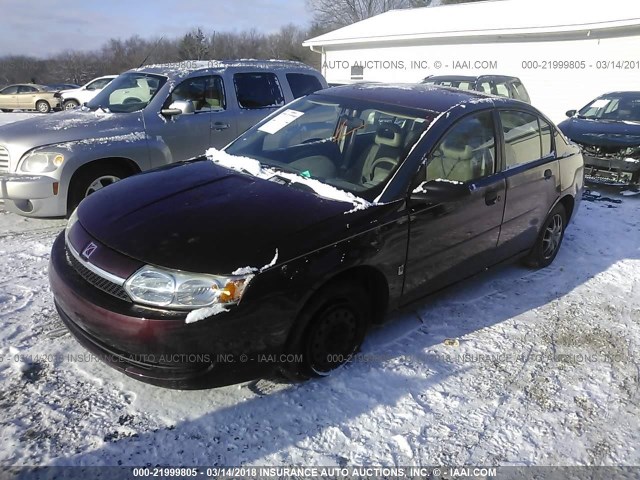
x=511 y=367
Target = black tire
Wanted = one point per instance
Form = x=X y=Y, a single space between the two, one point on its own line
x=6 y=110
x=70 y=104
x=549 y=239
x=82 y=183
x=330 y=330
x=43 y=106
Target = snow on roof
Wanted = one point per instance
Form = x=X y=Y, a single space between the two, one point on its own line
x=185 y=67
x=489 y=18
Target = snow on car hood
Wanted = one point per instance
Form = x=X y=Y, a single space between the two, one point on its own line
x=601 y=133
x=68 y=126
x=201 y=217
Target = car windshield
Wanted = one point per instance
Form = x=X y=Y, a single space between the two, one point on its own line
x=129 y=92
x=615 y=107
x=348 y=144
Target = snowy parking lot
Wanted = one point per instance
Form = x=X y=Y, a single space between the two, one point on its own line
x=512 y=367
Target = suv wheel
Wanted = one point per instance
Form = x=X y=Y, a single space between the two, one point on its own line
x=42 y=106
x=91 y=180
x=70 y=104
x=549 y=240
x=331 y=330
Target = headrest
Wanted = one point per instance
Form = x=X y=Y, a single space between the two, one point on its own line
x=456 y=152
x=390 y=135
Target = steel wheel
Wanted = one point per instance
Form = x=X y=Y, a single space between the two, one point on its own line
x=334 y=338
x=101 y=182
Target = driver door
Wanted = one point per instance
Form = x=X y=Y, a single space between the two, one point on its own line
x=9 y=98
x=189 y=135
x=454 y=239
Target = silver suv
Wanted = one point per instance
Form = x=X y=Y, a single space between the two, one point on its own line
x=145 y=118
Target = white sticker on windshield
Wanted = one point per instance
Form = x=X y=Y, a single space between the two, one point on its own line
x=603 y=102
x=279 y=122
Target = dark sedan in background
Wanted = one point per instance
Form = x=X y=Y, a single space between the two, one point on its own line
x=281 y=250
x=608 y=130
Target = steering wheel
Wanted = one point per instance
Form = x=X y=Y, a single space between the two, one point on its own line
x=391 y=162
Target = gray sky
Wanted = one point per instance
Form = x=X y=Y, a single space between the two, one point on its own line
x=39 y=28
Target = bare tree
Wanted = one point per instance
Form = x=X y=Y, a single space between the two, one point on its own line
x=194 y=45
x=332 y=14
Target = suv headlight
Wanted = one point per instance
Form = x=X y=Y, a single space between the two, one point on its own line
x=167 y=288
x=41 y=162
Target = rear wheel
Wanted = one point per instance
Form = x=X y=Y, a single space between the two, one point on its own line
x=43 y=107
x=549 y=240
x=70 y=104
x=6 y=110
x=92 y=179
x=330 y=331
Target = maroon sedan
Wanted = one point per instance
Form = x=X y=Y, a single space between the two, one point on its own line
x=277 y=253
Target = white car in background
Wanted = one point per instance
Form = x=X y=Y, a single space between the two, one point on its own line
x=76 y=97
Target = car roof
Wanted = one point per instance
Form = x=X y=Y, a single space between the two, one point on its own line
x=469 y=78
x=185 y=68
x=434 y=98
x=36 y=85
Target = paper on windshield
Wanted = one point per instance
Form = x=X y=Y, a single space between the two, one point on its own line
x=603 y=102
x=280 y=121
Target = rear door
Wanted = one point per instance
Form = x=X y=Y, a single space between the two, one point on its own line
x=532 y=174
x=451 y=240
x=258 y=94
x=9 y=97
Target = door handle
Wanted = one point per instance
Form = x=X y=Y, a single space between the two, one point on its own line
x=218 y=126
x=548 y=174
x=492 y=197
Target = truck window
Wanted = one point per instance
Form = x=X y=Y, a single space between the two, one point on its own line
x=258 y=90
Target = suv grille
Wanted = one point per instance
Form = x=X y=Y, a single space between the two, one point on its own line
x=96 y=280
x=4 y=159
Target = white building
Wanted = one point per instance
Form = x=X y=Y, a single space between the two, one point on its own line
x=566 y=52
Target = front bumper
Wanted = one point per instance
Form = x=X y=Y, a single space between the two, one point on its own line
x=31 y=195
x=611 y=170
x=157 y=346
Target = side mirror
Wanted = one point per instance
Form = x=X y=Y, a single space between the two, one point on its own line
x=570 y=113
x=440 y=190
x=178 y=107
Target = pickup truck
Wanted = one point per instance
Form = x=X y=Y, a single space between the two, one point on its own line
x=145 y=118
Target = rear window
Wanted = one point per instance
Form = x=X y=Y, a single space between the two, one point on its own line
x=302 y=84
x=258 y=90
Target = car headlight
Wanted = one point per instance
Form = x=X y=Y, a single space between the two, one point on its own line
x=167 y=288
x=41 y=162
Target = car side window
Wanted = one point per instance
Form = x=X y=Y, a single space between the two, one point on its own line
x=520 y=92
x=206 y=93
x=302 y=84
x=26 y=89
x=522 y=139
x=258 y=90
x=98 y=84
x=545 y=137
x=10 y=90
x=466 y=152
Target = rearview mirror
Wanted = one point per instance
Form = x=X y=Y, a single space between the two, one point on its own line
x=178 y=107
x=570 y=113
x=440 y=190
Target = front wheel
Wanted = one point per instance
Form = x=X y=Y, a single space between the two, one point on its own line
x=43 y=107
x=330 y=331
x=549 y=240
x=70 y=104
x=90 y=180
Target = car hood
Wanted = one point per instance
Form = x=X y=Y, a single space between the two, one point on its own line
x=68 y=126
x=201 y=217
x=601 y=133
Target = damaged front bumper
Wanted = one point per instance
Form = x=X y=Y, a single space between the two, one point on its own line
x=612 y=170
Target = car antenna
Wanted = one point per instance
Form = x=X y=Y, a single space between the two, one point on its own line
x=150 y=52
